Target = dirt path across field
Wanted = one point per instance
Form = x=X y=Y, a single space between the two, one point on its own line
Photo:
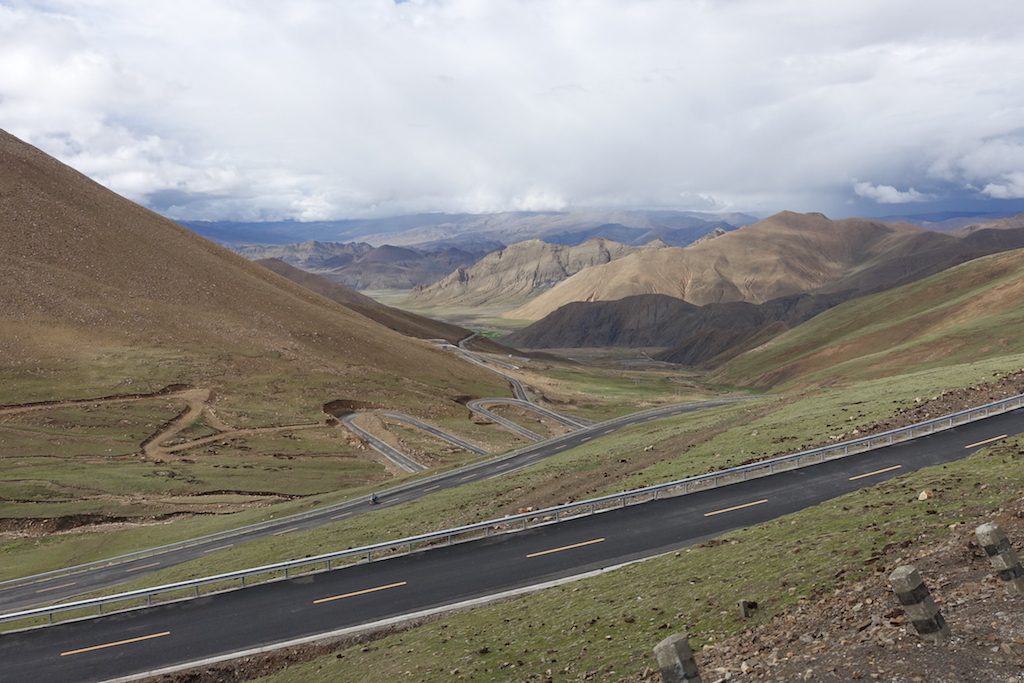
x=174 y=391
x=234 y=433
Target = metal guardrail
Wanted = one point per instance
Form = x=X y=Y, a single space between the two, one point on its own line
x=526 y=520
x=316 y=512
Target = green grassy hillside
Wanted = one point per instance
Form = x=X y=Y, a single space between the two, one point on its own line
x=963 y=314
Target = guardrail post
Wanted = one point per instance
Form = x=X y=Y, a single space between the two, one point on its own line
x=1003 y=557
x=924 y=614
x=675 y=660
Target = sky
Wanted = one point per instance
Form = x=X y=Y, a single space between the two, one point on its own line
x=313 y=110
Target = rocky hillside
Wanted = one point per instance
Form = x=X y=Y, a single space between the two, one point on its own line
x=518 y=272
x=786 y=254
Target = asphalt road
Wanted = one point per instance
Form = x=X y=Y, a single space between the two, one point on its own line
x=431 y=429
x=570 y=422
x=63 y=587
x=390 y=452
x=479 y=407
x=147 y=639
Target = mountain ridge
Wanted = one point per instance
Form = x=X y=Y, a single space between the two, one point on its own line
x=785 y=254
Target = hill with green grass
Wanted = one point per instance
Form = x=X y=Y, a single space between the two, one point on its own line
x=966 y=313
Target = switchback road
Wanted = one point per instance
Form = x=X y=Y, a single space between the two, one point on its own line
x=61 y=587
x=148 y=639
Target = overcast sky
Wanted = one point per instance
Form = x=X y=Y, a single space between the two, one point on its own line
x=252 y=109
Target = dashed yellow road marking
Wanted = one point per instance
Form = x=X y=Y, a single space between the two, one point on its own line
x=566 y=547
x=115 y=644
x=735 y=507
x=871 y=474
x=362 y=592
x=982 y=443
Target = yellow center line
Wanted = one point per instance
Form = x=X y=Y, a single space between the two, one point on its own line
x=736 y=507
x=115 y=644
x=566 y=547
x=982 y=443
x=871 y=474
x=53 y=588
x=145 y=566
x=362 y=592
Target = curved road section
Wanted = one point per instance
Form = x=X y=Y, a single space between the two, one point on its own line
x=478 y=407
x=50 y=589
x=178 y=633
x=390 y=452
x=570 y=422
x=431 y=429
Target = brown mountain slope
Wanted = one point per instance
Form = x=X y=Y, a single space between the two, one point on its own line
x=785 y=254
x=694 y=335
x=404 y=322
x=518 y=272
x=99 y=294
x=714 y=333
x=1011 y=223
x=963 y=314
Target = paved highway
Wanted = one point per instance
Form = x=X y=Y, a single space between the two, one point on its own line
x=63 y=587
x=479 y=407
x=431 y=429
x=570 y=422
x=143 y=640
x=390 y=452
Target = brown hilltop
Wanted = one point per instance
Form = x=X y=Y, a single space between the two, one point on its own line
x=518 y=272
x=87 y=276
x=785 y=254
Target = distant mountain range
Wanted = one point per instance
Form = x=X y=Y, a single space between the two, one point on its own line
x=785 y=254
x=361 y=266
x=732 y=278
x=483 y=231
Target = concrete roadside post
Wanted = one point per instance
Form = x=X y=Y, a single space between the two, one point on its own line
x=924 y=614
x=675 y=660
x=1003 y=557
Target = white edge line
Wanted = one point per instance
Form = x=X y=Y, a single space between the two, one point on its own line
x=383 y=623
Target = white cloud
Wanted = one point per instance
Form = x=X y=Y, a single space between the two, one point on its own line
x=310 y=108
x=1011 y=187
x=887 y=194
